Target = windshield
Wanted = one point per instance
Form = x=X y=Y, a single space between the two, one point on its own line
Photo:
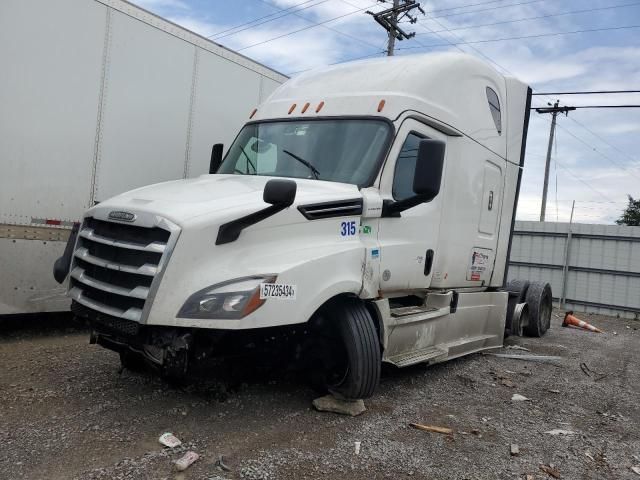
x=337 y=150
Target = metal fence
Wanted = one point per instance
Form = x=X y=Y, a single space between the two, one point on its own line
x=591 y=268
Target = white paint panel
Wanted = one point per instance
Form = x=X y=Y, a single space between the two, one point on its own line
x=226 y=93
x=49 y=90
x=30 y=286
x=146 y=108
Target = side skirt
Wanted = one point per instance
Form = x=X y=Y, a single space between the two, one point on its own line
x=434 y=334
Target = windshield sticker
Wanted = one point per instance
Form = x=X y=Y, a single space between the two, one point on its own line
x=281 y=291
x=348 y=229
x=375 y=253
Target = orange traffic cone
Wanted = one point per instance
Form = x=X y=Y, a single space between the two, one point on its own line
x=569 y=319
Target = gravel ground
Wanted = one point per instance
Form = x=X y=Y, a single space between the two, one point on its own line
x=67 y=412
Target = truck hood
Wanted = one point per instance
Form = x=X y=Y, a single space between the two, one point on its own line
x=183 y=200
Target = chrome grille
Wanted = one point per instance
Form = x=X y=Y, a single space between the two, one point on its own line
x=115 y=266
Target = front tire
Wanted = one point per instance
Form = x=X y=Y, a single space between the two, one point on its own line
x=358 y=339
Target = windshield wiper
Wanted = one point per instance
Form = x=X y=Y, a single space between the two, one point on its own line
x=314 y=170
x=249 y=162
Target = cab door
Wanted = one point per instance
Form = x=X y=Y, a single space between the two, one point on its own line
x=408 y=242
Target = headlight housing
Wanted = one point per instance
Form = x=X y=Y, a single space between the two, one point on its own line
x=233 y=299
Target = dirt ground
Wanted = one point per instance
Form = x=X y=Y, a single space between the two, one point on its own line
x=66 y=412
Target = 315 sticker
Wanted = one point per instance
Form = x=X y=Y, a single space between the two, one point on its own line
x=277 y=290
x=348 y=229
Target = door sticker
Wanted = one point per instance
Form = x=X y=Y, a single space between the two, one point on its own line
x=281 y=291
x=348 y=229
x=480 y=263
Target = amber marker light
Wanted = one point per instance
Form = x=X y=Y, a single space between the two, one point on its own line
x=253 y=113
x=381 y=105
x=304 y=109
x=319 y=107
x=292 y=108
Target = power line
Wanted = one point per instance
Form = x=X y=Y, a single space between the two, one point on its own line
x=592 y=92
x=263 y=17
x=603 y=140
x=573 y=12
x=607 y=106
x=487 y=9
x=583 y=182
x=554 y=34
x=599 y=152
x=218 y=37
x=305 y=28
x=326 y=27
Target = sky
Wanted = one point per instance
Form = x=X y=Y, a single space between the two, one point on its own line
x=596 y=155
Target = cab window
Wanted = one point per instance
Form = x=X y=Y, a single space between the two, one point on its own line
x=405 y=167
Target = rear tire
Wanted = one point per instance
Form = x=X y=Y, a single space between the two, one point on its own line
x=361 y=347
x=540 y=303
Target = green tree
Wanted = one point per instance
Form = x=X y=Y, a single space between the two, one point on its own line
x=631 y=214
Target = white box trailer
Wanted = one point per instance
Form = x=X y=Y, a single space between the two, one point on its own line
x=98 y=97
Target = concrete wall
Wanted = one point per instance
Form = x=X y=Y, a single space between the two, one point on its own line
x=593 y=268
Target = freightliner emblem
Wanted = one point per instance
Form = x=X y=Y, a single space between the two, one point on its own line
x=122 y=216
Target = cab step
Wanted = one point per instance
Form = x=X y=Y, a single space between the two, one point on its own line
x=413 y=310
x=418 y=356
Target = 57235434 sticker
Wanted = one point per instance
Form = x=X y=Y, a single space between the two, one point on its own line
x=282 y=291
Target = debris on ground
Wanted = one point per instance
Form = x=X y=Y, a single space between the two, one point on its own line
x=432 y=428
x=186 y=460
x=221 y=465
x=503 y=379
x=516 y=397
x=552 y=390
x=515 y=449
x=571 y=320
x=357 y=447
x=560 y=431
x=329 y=403
x=549 y=470
x=636 y=470
x=528 y=358
x=169 y=440
x=517 y=347
x=597 y=376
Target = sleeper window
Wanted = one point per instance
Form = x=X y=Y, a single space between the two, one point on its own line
x=405 y=167
x=494 y=107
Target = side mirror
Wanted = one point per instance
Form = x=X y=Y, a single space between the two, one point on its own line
x=216 y=157
x=426 y=178
x=428 y=173
x=280 y=192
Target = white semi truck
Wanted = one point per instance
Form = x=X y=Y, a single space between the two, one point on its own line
x=98 y=97
x=364 y=214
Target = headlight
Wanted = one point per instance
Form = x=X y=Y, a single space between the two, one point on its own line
x=228 y=300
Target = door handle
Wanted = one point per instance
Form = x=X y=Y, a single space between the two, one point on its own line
x=428 y=262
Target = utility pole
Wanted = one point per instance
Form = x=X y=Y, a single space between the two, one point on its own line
x=391 y=43
x=553 y=110
x=390 y=18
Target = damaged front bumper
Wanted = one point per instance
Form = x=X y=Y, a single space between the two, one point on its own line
x=166 y=348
